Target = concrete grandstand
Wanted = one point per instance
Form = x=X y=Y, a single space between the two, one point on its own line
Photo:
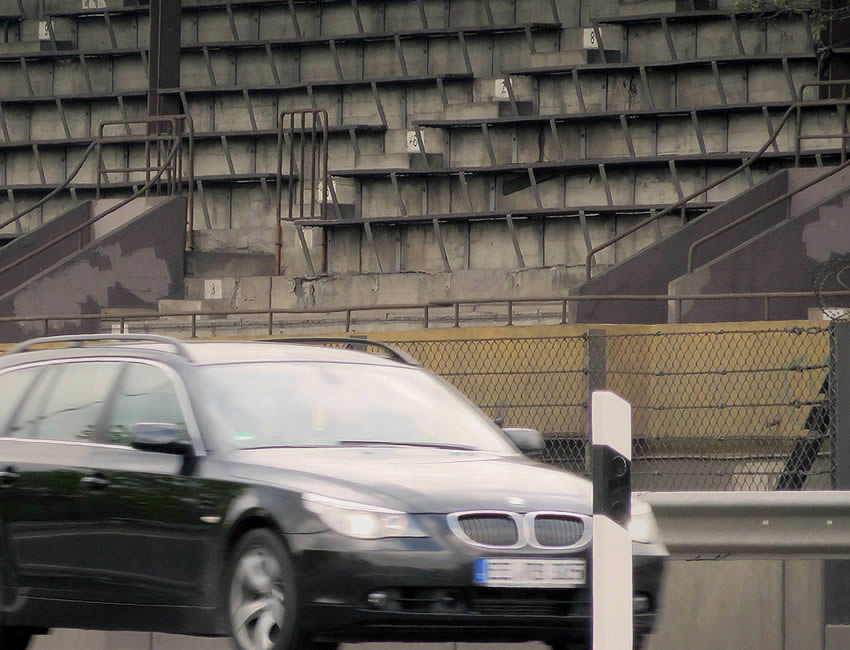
x=476 y=150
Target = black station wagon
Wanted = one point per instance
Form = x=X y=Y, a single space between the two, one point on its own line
x=284 y=495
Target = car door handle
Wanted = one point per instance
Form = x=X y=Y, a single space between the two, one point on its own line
x=9 y=476
x=95 y=481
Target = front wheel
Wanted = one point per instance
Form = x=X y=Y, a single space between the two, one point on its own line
x=12 y=638
x=262 y=607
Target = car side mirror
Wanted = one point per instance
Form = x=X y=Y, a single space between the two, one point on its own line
x=528 y=441
x=159 y=436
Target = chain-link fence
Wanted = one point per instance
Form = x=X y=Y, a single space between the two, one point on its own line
x=743 y=409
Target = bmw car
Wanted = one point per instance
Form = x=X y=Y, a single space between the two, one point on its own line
x=285 y=494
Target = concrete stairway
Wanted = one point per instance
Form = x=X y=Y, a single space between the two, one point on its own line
x=128 y=258
x=652 y=269
x=818 y=240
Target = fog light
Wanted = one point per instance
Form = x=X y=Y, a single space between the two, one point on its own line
x=377 y=599
x=640 y=604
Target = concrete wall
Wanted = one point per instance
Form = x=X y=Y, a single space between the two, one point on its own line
x=133 y=264
x=649 y=271
x=756 y=604
x=814 y=239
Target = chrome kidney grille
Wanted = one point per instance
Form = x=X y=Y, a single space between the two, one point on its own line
x=557 y=531
x=490 y=529
x=510 y=530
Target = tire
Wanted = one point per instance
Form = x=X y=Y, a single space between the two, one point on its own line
x=12 y=638
x=260 y=598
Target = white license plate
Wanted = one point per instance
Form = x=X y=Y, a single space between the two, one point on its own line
x=517 y=572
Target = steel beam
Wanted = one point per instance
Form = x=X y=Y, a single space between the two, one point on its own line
x=164 y=60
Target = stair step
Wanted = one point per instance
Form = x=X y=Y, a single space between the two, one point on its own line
x=244 y=241
x=204 y=263
x=383 y=161
x=485 y=110
x=176 y=306
x=572 y=57
x=632 y=8
x=495 y=90
x=406 y=140
x=28 y=47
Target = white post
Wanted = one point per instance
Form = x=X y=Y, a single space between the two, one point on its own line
x=611 y=428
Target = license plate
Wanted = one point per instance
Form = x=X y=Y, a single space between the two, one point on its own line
x=517 y=572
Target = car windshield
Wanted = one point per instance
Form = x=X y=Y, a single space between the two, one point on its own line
x=299 y=404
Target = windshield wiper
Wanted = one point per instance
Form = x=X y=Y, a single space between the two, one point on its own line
x=392 y=443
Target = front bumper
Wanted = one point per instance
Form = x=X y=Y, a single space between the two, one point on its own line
x=430 y=594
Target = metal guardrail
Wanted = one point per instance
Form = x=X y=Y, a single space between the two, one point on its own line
x=426 y=309
x=738 y=525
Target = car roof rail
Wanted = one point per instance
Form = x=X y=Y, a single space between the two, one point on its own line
x=79 y=340
x=393 y=352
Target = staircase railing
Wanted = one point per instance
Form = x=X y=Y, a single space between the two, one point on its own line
x=794 y=110
x=296 y=125
x=160 y=132
x=168 y=165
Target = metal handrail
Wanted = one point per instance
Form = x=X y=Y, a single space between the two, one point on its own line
x=318 y=168
x=562 y=301
x=794 y=109
x=97 y=217
x=175 y=179
x=749 y=215
x=64 y=185
x=799 y=137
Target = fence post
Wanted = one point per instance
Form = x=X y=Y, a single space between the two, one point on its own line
x=836 y=573
x=838 y=393
x=594 y=370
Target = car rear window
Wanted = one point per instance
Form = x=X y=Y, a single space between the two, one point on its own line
x=307 y=404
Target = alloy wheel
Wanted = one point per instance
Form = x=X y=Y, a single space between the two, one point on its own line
x=257 y=600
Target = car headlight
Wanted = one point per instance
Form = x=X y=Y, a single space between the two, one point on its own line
x=360 y=520
x=642 y=526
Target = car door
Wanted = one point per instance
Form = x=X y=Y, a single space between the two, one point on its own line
x=14 y=386
x=149 y=543
x=44 y=459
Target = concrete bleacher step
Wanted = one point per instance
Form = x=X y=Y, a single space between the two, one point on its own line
x=435 y=141
x=395 y=161
x=31 y=46
x=244 y=240
x=201 y=263
x=496 y=90
x=573 y=57
x=632 y=8
x=485 y=110
x=167 y=307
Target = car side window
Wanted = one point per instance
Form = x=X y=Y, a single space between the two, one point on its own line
x=14 y=384
x=26 y=420
x=74 y=401
x=145 y=394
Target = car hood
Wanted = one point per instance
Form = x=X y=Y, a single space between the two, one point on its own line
x=418 y=480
